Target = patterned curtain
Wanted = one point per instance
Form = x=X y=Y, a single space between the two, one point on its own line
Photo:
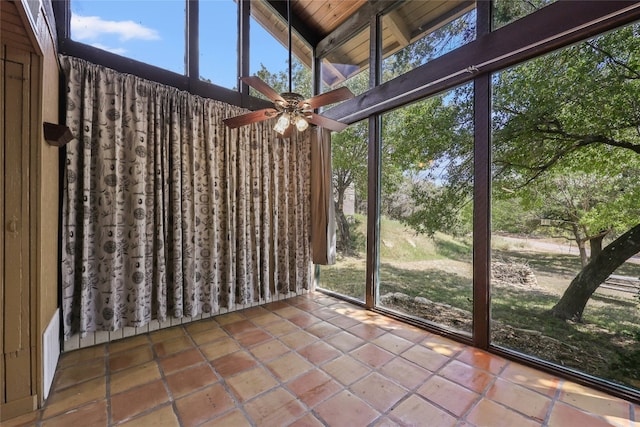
x=168 y=213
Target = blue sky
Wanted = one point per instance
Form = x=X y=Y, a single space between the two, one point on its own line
x=152 y=31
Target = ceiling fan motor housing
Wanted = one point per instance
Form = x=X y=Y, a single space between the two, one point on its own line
x=292 y=103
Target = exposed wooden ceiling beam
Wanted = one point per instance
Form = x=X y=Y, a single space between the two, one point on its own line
x=333 y=71
x=355 y=23
x=443 y=19
x=398 y=28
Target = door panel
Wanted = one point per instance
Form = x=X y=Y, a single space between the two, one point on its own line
x=15 y=293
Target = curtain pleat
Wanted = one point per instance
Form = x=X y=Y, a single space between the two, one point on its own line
x=168 y=213
x=323 y=226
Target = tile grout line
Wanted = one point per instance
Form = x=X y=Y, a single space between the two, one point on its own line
x=237 y=404
x=317 y=339
x=219 y=378
x=554 y=400
x=149 y=344
x=371 y=369
x=163 y=377
x=483 y=395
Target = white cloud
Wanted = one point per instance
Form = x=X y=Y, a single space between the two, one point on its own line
x=116 y=50
x=91 y=27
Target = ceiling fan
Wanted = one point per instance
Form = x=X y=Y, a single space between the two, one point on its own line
x=291 y=108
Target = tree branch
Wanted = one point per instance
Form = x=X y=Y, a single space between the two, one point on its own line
x=635 y=74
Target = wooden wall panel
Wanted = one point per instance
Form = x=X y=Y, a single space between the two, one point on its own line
x=17 y=286
x=30 y=34
x=12 y=29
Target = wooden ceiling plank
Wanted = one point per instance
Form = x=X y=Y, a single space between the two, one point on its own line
x=348 y=52
x=334 y=13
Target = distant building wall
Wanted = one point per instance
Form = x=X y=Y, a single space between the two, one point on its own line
x=350 y=201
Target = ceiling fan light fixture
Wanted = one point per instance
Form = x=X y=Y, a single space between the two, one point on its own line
x=301 y=123
x=282 y=124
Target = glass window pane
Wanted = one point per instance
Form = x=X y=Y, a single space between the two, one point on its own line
x=348 y=65
x=417 y=32
x=219 y=42
x=269 y=54
x=148 y=31
x=349 y=161
x=506 y=11
x=566 y=185
x=426 y=222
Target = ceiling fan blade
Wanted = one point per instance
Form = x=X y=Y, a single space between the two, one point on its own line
x=336 y=95
x=326 y=122
x=252 y=117
x=258 y=84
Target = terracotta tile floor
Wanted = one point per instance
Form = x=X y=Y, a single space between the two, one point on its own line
x=310 y=361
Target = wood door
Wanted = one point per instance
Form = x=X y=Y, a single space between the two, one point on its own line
x=16 y=367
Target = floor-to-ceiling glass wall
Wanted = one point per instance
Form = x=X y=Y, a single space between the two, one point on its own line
x=348 y=65
x=565 y=266
x=566 y=184
x=426 y=210
x=349 y=163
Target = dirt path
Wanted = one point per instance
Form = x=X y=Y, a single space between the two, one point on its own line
x=539 y=245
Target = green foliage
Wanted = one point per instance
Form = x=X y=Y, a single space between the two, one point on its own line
x=424 y=146
x=300 y=78
x=627 y=362
x=358 y=235
x=431 y=143
x=507 y=11
x=566 y=139
x=349 y=159
x=398 y=242
x=552 y=107
x=457 y=249
x=508 y=215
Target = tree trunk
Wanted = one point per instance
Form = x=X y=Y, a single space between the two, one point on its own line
x=343 y=241
x=576 y=296
x=596 y=245
x=584 y=259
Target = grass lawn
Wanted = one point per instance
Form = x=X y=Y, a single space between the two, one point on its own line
x=605 y=344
